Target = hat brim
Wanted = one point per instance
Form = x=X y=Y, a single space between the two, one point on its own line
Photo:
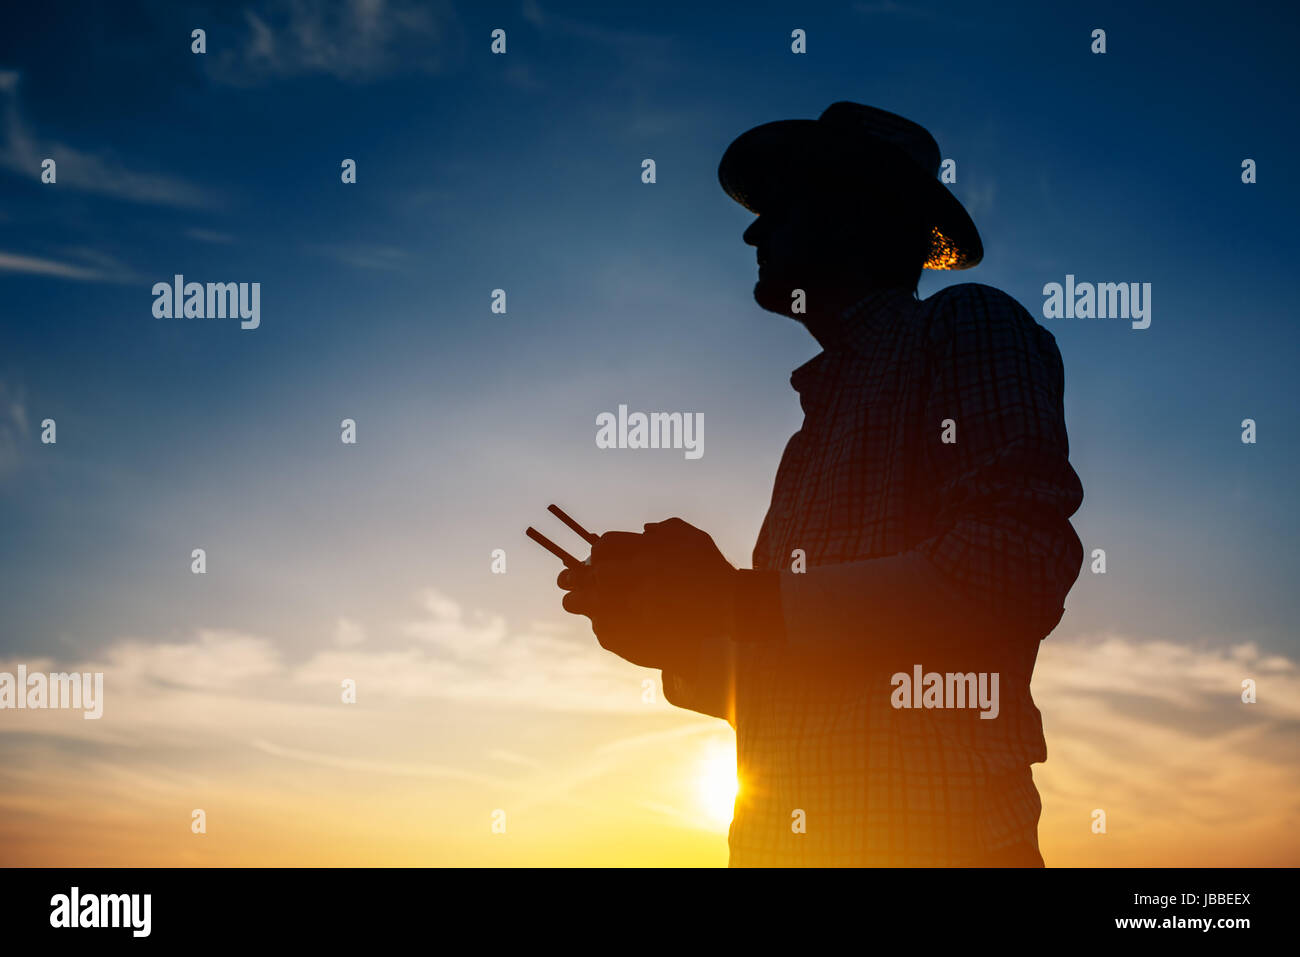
x=776 y=161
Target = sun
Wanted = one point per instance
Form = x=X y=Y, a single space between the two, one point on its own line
x=717 y=783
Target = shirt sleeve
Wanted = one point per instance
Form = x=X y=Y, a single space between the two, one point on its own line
x=994 y=477
x=708 y=685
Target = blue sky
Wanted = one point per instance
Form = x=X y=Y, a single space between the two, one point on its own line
x=522 y=171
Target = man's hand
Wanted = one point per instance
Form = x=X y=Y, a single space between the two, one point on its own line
x=653 y=597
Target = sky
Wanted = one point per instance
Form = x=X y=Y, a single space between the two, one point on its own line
x=522 y=172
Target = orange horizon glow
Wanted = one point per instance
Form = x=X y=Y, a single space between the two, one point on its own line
x=1187 y=774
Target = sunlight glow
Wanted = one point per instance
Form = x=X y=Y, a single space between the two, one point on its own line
x=717 y=783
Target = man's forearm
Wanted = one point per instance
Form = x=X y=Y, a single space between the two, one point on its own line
x=885 y=609
x=895 y=611
x=707 y=684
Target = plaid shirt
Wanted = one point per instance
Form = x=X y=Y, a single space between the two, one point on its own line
x=867 y=477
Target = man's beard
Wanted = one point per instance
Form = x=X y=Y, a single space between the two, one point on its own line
x=776 y=294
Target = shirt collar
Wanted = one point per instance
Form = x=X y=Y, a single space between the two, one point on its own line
x=862 y=324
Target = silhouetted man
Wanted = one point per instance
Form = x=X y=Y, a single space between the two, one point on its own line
x=875 y=662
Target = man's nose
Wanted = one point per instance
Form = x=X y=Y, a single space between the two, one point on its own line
x=751 y=235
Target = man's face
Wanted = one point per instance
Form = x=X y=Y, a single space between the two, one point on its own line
x=803 y=244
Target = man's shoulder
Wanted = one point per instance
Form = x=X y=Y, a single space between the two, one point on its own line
x=966 y=298
x=972 y=307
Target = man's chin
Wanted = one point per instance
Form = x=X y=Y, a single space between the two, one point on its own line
x=774 y=296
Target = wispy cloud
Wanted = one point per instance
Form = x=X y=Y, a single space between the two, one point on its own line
x=378 y=767
x=532 y=12
x=627 y=43
x=521 y=77
x=355 y=41
x=228 y=723
x=94 y=266
x=348 y=633
x=449 y=654
x=1155 y=734
x=363 y=256
x=36 y=266
x=509 y=757
x=219 y=662
x=979 y=199
x=13 y=426
x=209 y=236
x=22 y=152
x=1195 y=680
x=1152 y=731
x=476 y=657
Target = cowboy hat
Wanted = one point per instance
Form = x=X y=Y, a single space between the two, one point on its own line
x=850 y=142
